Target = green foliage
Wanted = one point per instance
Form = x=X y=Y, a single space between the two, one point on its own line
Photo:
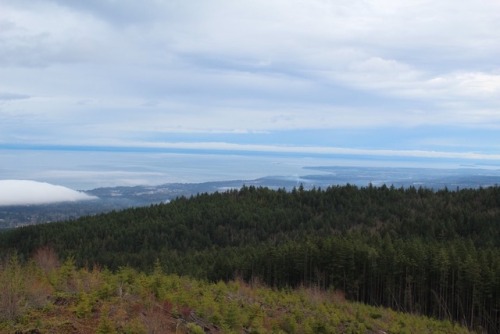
x=11 y=290
x=84 y=306
x=105 y=325
x=194 y=329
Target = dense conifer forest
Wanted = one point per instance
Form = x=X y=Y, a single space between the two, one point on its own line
x=414 y=250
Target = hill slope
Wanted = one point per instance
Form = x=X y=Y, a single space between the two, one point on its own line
x=414 y=250
x=45 y=297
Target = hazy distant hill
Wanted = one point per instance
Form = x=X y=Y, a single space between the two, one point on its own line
x=116 y=198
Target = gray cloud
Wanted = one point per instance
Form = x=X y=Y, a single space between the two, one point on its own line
x=12 y=96
x=122 y=13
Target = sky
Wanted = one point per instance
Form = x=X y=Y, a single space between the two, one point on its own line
x=403 y=79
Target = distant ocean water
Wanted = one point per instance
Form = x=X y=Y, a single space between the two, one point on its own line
x=87 y=169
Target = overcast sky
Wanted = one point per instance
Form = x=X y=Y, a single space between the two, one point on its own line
x=411 y=77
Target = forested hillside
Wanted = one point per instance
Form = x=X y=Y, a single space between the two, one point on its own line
x=414 y=250
x=46 y=296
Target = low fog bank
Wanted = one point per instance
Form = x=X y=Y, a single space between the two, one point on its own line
x=25 y=192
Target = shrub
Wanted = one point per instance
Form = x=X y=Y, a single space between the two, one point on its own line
x=194 y=329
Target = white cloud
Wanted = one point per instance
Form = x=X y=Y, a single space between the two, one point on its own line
x=25 y=192
x=45 y=35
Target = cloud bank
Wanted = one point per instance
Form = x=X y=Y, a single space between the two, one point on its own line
x=25 y=192
x=118 y=72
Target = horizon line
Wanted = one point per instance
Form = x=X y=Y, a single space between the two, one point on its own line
x=223 y=148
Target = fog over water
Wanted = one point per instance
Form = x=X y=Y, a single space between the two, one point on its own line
x=85 y=170
x=89 y=170
x=26 y=192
